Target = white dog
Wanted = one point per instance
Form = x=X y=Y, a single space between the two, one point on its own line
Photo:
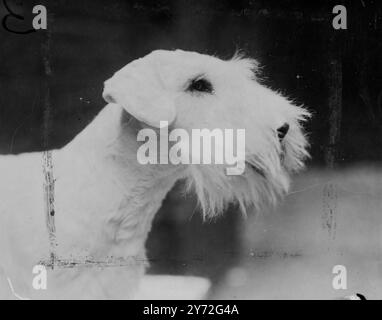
x=90 y=223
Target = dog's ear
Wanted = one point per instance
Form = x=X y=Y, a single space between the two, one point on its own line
x=142 y=93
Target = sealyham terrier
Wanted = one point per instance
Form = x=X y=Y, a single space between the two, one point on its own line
x=81 y=215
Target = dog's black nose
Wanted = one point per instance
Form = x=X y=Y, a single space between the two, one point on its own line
x=282 y=131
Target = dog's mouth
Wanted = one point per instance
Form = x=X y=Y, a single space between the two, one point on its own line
x=256 y=169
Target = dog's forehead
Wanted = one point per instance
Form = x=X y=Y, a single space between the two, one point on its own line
x=175 y=68
x=181 y=64
x=182 y=58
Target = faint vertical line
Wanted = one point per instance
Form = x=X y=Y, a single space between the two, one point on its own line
x=47 y=154
x=335 y=83
x=330 y=203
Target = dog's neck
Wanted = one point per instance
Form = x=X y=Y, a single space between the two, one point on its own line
x=119 y=196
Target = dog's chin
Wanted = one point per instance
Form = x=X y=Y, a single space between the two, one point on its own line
x=255 y=169
x=253 y=190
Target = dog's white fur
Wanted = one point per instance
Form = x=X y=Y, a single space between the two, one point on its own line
x=105 y=200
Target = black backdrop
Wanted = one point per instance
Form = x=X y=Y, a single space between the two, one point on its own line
x=292 y=39
x=64 y=67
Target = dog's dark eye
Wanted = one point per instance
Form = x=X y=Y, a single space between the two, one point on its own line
x=200 y=85
x=282 y=131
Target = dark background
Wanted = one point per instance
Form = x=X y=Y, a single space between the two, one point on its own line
x=51 y=83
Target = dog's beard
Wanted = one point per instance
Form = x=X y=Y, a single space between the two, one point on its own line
x=253 y=189
x=265 y=180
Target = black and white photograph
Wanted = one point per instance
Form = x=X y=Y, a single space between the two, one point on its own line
x=200 y=151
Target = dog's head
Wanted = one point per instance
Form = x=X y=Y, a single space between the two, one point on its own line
x=188 y=90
